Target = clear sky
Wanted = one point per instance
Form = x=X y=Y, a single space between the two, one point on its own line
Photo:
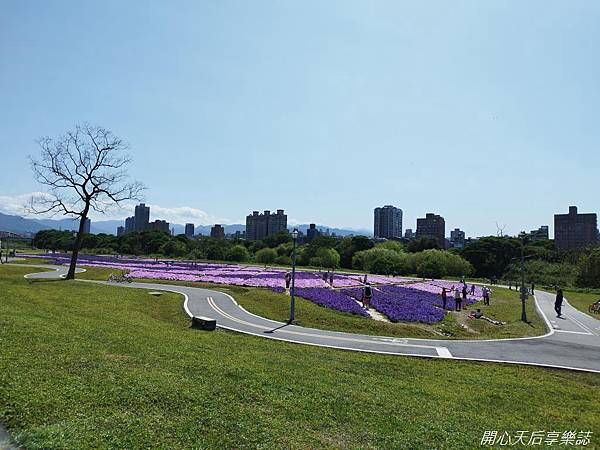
x=482 y=112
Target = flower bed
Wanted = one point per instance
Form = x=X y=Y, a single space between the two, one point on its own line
x=332 y=299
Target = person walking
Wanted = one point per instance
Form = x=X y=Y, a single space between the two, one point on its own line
x=472 y=289
x=457 y=300
x=486 y=296
x=331 y=279
x=367 y=296
x=288 y=279
x=532 y=288
x=558 y=303
x=464 y=296
x=444 y=298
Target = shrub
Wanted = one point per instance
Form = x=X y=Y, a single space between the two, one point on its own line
x=329 y=257
x=238 y=253
x=265 y=256
x=283 y=260
x=588 y=270
x=382 y=261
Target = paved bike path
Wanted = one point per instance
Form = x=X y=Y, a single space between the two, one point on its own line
x=571 y=343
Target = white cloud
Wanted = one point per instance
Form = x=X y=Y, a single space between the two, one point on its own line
x=15 y=205
x=184 y=214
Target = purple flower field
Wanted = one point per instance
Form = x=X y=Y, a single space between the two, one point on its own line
x=411 y=302
x=332 y=299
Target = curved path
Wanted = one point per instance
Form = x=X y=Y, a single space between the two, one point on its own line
x=572 y=342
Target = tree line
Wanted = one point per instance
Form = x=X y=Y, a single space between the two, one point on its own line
x=485 y=258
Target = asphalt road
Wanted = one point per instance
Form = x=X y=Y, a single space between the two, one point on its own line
x=571 y=343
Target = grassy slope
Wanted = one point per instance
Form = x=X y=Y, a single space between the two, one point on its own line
x=95 y=366
x=505 y=307
x=582 y=301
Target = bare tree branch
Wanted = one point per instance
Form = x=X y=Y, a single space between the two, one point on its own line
x=83 y=169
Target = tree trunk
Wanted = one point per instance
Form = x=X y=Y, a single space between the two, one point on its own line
x=77 y=245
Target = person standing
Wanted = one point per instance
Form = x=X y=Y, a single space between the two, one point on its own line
x=288 y=279
x=331 y=279
x=464 y=296
x=558 y=303
x=532 y=288
x=367 y=296
x=472 y=289
x=457 y=300
x=486 y=296
x=444 y=298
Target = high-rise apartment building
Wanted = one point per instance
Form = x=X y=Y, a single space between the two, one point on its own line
x=433 y=226
x=312 y=232
x=259 y=226
x=189 y=230
x=129 y=224
x=575 y=231
x=159 y=225
x=457 y=238
x=388 y=222
x=141 y=217
x=217 y=232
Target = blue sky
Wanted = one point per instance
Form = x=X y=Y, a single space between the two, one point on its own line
x=482 y=112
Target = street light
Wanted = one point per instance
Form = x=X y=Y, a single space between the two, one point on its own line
x=523 y=287
x=292 y=290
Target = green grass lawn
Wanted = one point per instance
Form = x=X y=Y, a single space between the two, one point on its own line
x=582 y=301
x=89 y=366
x=505 y=306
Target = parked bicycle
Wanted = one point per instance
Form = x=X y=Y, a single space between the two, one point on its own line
x=123 y=278
x=595 y=307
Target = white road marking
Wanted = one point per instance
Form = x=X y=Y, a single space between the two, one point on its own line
x=582 y=325
x=574 y=332
x=443 y=352
x=319 y=336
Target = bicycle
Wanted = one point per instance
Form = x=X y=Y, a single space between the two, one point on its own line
x=595 y=307
x=119 y=278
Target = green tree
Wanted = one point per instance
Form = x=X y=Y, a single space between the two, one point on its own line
x=238 y=253
x=173 y=248
x=265 y=256
x=588 y=270
x=329 y=257
x=382 y=261
x=421 y=244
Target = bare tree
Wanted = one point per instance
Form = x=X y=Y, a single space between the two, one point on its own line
x=500 y=230
x=83 y=170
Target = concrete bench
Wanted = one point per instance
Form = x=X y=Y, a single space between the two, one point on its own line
x=204 y=323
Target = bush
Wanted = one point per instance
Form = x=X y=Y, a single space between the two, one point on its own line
x=382 y=261
x=315 y=261
x=439 y=263
x=283 y=260
x=588 y=270
x=265 y=256
x=329 y=257
x=238 y=253
x=173 y=248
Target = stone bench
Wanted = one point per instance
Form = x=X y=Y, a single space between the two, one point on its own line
x=204 y=323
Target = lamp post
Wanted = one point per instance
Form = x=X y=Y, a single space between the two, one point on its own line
x=523 y=288
x=292 y=290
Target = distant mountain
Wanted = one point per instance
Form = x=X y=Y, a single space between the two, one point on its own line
x=18 y=224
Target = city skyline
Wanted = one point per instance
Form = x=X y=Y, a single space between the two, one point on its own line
x=185 y=215
x=435 y=107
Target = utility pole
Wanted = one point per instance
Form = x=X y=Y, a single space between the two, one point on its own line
x=523 y=288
